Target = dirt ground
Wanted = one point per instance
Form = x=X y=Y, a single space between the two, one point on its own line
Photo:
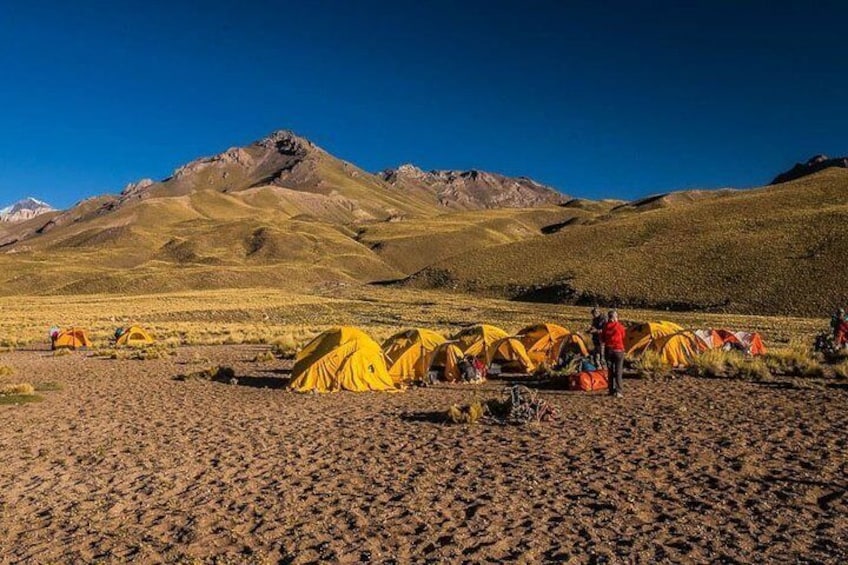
x=125 y=464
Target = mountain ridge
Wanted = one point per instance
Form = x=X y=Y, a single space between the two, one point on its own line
x=24 y=209
x=283 y=212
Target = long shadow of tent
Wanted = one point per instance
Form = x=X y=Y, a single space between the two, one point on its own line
x=253 y=381
x=432 y=417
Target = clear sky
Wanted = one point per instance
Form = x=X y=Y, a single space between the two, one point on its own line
x=599 y=99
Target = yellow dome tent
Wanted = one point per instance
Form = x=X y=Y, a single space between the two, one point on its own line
x=341 y=359
x=638 y=337
x=677 y=350
x=408 y=354
x=72 y=338
x=541 y=341
x=511 y=355
x=477 y=341
x=572 y=343
x=445 y=362
x=134 y=336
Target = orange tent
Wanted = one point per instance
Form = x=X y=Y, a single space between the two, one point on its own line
x=478 y=340
x=509 y=353
x=751 y=342
x=72 y=338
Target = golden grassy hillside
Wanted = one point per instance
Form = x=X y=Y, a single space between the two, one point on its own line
x=280 y=211
x=413 y=245
x=780 y=249
x=268 y=314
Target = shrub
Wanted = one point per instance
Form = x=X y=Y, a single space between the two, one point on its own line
x=285 y=347
x=795 y=360
x=716 y=363
x=840 y=370
x=650 y=364
x=470 y=414
x=754 y=368
x=151 y=353
x=17 y=389
x=196 y=359
x=264 y=357
x=712 y=363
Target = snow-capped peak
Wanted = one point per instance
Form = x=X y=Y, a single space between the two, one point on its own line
x=25 y=209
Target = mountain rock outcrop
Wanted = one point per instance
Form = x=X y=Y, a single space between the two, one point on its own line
x=473 y=189
x=813 y=165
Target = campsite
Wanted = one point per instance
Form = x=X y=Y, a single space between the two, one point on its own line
x=121 y=460
x=478 y=282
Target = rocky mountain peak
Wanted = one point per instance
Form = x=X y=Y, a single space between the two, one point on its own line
x=25 y=209
x=405 y=171
x=286 y=142
x=135 y=188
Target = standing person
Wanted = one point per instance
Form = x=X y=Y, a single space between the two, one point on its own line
x=841 y=337
x=836 y=321
x=613 y=339
x=599 y=320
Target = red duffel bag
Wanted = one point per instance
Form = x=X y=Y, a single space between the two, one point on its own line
x=588 y=380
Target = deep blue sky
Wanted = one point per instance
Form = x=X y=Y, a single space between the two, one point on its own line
x=612 y=101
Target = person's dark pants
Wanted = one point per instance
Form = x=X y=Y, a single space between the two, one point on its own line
x=598 y=355
x=615 y=369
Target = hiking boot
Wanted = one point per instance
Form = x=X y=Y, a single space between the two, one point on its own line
x=619 y=394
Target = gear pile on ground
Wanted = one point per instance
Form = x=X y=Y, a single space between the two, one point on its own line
x=520 y=405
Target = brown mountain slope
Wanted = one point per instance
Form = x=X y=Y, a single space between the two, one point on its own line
x=780 y=249
x=280 y=211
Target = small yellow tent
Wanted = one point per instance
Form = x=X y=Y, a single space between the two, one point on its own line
x=511 y=355
x=72 y=338
x=445 y=362
x=639 y=337
x=677 y=350
x=541 y=341
x=573 y=344
x=134 y=336
x=341 y=359
x=477 y=341
x=408 y=354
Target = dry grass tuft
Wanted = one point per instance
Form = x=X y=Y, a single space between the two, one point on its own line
x=264 y=357
x=650 y=365
x=730 y=364
x=197 y=359
x=712 y=364
x=62 y=352
x=753 y=368
x=840 y=370
x=795 y=360
x=152 y=353
x=5 y=371
x=17 y=389
x=470 y=414
x=285 y=346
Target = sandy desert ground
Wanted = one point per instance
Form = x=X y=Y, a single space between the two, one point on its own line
x=125 y=464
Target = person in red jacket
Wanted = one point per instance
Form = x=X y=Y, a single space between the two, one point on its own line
x=613 y=338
